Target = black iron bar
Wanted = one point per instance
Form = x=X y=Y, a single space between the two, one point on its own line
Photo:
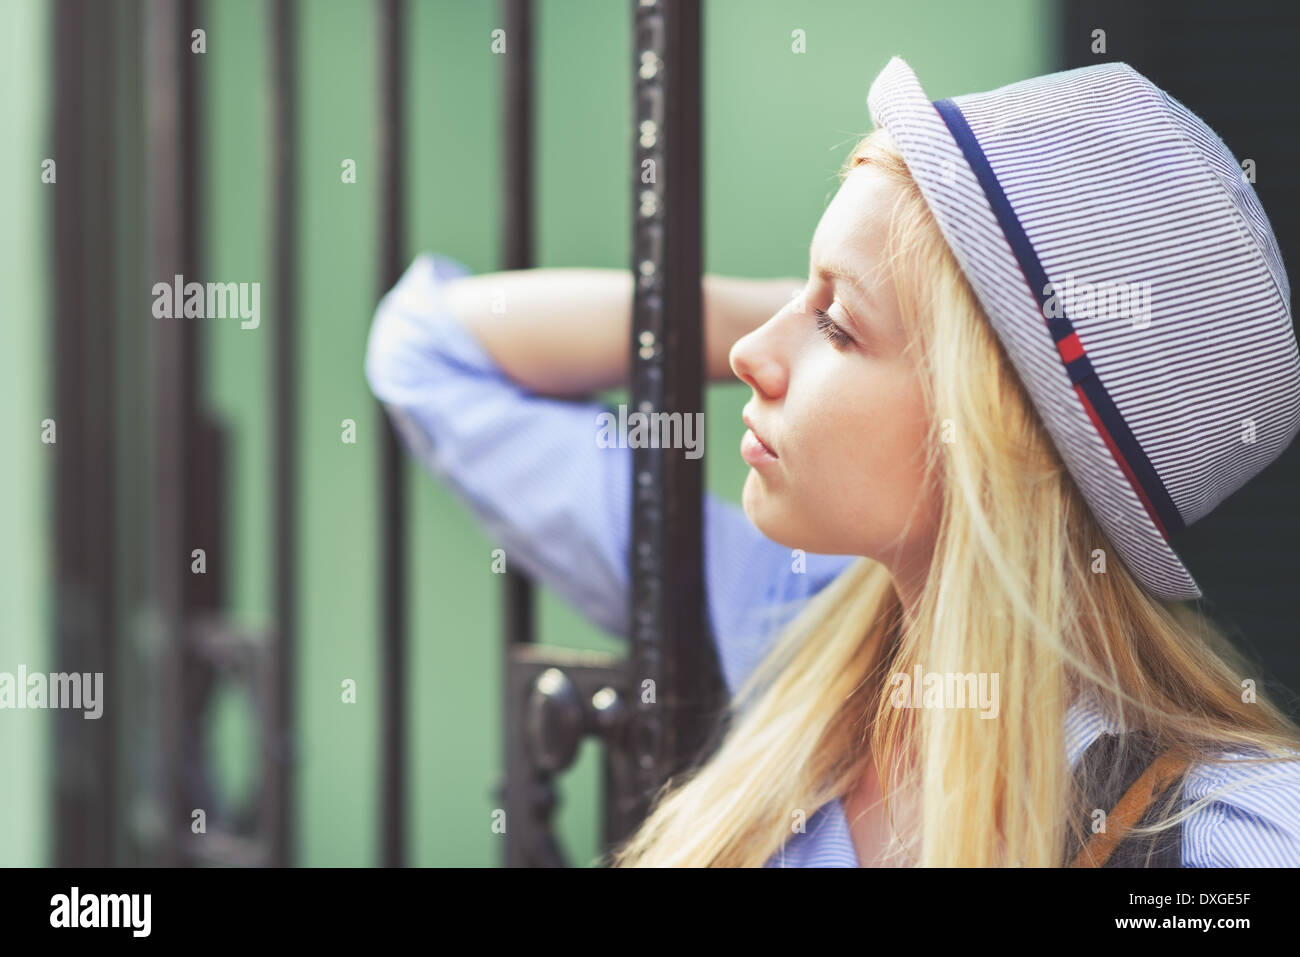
x=85 y=798
x=170 y=186
x=517 y=253
x=278 y=796
x=392 y=228
x=668 y=625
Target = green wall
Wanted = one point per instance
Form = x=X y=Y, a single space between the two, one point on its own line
x=772 y=148
x=25 y=591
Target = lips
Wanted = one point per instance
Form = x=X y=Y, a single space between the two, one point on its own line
x=757 y=435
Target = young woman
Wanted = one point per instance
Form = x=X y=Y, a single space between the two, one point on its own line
x=962 y=477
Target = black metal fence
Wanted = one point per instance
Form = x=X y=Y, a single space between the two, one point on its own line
x=554 y=698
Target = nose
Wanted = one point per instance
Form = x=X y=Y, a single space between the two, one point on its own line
x=758 y=361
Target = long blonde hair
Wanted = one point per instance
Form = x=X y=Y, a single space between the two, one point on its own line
x=1022 y=583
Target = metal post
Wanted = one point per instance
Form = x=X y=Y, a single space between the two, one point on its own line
x=85 y=797
x=392 y=227
x=168 y=99
x=669 y=627
x=517 y=253
x=278 y=794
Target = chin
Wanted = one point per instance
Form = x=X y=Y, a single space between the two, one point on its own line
x=766 y=514
x=752 y=498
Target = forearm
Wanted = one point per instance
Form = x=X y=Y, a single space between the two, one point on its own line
x=566 y=332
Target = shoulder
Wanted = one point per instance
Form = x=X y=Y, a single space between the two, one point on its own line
x=1253 y=819
x=1253 y=816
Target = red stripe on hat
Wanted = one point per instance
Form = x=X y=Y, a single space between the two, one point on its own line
x=1115 y=453
x=1070 y=347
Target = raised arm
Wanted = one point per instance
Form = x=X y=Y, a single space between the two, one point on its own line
x=465 y=388
x=567 y=332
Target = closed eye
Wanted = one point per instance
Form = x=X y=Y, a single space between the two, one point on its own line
x=831 y=330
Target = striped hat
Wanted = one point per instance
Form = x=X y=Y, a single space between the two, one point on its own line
x=1133 y=279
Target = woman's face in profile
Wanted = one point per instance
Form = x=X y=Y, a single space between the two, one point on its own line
x=837 y=399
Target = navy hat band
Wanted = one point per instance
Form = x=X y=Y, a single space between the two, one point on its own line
x=1092 y=392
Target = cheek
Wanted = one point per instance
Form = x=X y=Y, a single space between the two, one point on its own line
x=871 y=447
x=899 y=436
x=854 y=448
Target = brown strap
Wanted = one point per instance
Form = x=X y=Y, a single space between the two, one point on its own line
x=1162 y=772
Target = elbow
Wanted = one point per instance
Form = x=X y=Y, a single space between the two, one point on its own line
x=393 y=358
x=408 y=346
x=378 y=357
x=393 y=337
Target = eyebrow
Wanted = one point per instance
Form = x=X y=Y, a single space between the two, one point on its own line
x=836 y=270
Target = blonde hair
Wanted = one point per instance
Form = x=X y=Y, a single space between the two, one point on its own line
x=1013 y=588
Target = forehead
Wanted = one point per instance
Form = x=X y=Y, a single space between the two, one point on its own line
x=850 y=238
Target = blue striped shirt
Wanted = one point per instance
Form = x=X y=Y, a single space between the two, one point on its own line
x=530 y=470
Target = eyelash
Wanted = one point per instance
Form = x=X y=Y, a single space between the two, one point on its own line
x=833 y=333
